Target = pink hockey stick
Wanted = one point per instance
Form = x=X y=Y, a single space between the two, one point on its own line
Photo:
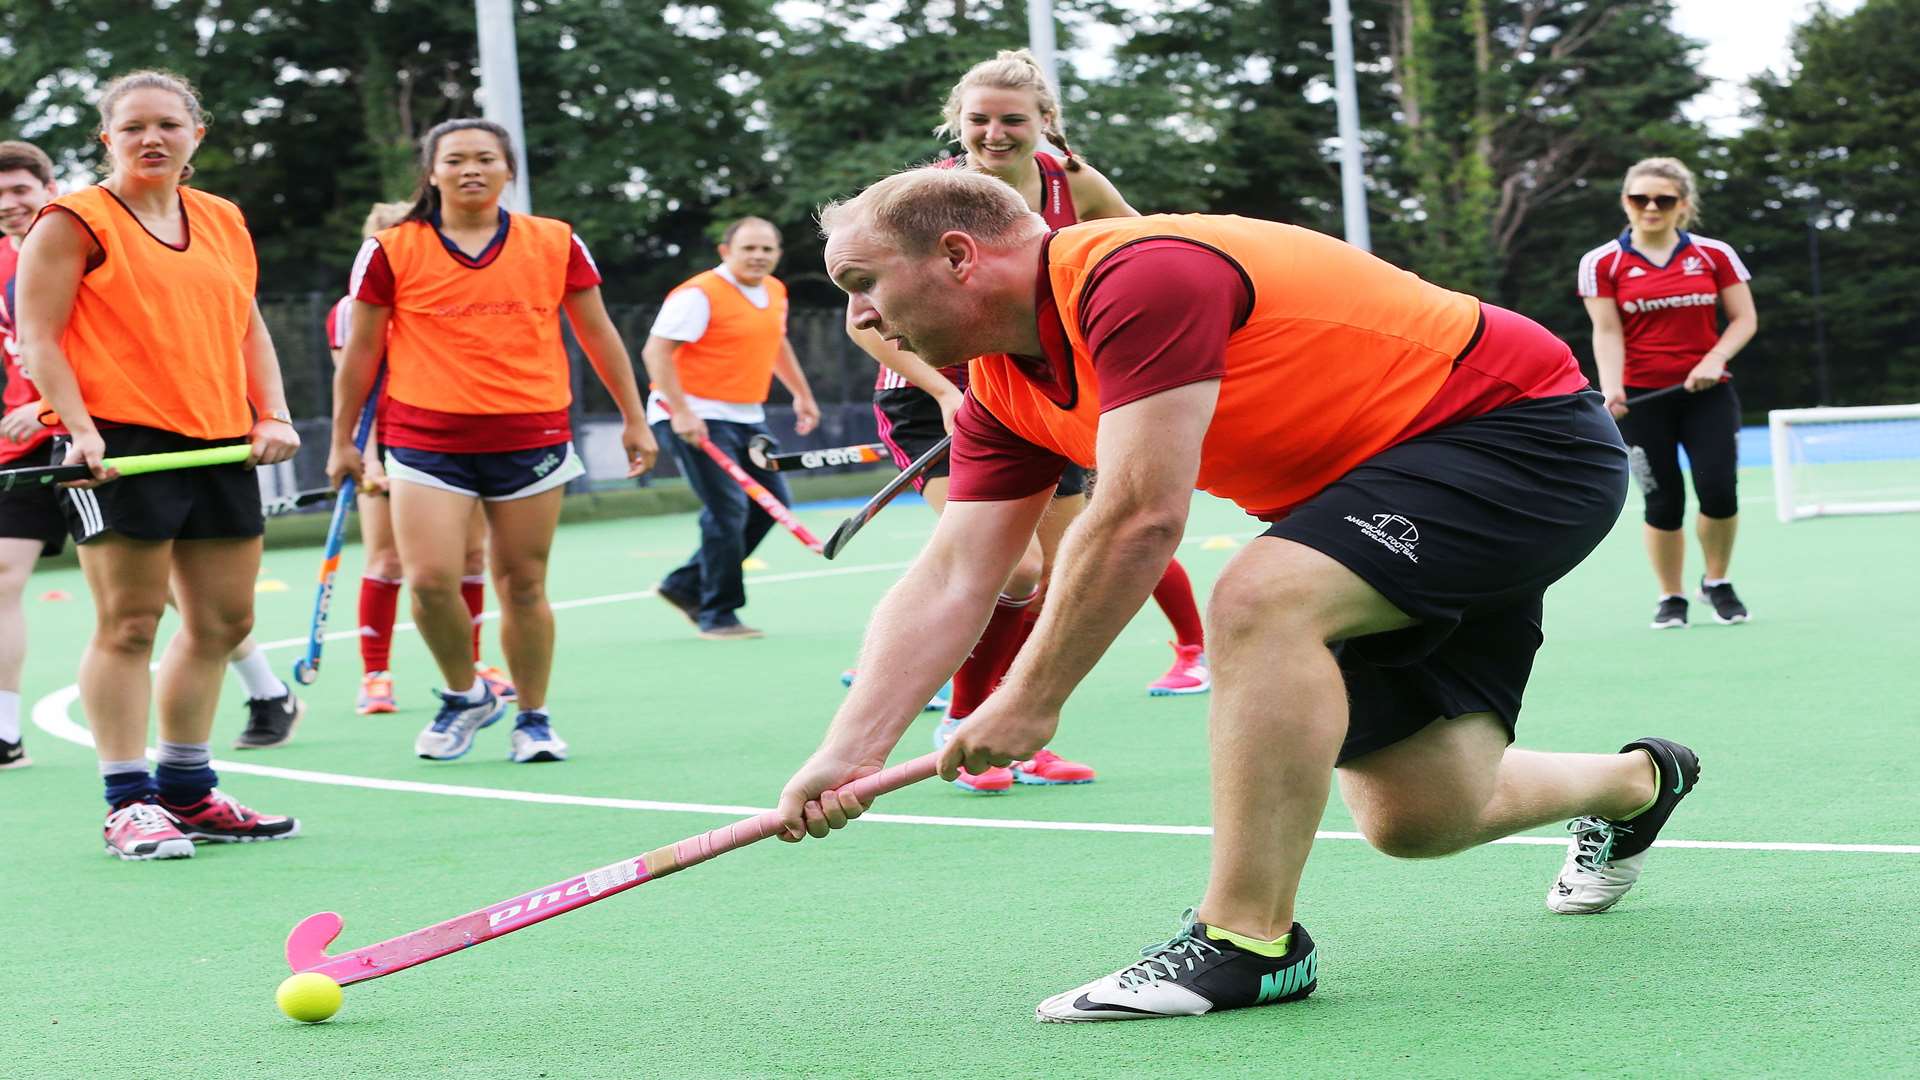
x=307 y=944
x=758 y=493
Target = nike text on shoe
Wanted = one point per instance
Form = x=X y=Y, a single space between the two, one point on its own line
x=218 y=819
x=1190 y=975
x=1727 y=608
x=140 y=831
x=1188 y=675
x=1606 y=856
x=1671 y=614
x=270 y=721
x=536 y=741
x=454 y=726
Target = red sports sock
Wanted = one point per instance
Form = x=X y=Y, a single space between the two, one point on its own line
x=378 y=599
x=1174 y=594
x=992 y=655
x=474 y=591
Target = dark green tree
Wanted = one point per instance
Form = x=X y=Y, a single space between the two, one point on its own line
x=1832 y=163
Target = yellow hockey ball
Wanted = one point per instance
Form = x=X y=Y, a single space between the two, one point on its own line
x=308 y=997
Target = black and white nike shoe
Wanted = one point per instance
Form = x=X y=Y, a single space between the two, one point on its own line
x=1606 y=856
x=1671 y=614
x=1727 y=608
x=1193 y=974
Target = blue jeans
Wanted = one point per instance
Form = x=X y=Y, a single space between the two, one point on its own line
x=731 y=525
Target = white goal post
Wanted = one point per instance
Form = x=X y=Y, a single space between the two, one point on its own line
x=1845 y=460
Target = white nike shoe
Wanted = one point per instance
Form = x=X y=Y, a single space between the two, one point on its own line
x=1591 y=880
x=1193 y=974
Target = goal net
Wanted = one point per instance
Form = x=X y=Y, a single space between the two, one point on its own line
x=1845 y=460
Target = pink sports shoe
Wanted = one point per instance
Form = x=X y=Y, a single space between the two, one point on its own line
x=140 y=831
x=995 y=781
x=219 y=819
x=1047 y=767
x=376 y=694
x=1188 y=675
x=497 y=681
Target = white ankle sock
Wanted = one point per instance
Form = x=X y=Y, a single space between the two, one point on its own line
x=258 y=676
x=9 y=716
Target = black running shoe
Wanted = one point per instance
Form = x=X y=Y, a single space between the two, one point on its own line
x=1606 y=856
x=1192 y=974
x=1727 y=608
x=688 y=606
x=1671 y=614
x=270 y=721
x=13 y=755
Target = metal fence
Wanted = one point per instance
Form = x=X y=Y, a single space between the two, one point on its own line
x=841 y=376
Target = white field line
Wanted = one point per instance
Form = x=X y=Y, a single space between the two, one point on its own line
x=50 y=714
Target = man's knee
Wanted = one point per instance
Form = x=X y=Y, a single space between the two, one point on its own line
x=1280 y=600
x=1416 y=835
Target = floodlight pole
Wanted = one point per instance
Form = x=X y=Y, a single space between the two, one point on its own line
x=1353 y=195
x=500 y=90
x=1040 y=39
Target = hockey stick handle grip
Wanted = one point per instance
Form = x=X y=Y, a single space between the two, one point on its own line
x=698 y=849
x=1641 y=399
x=134 y=465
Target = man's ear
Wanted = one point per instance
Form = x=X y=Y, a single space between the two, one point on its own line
x=960 y=252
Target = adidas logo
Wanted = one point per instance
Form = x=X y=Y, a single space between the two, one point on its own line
x=1636 y=272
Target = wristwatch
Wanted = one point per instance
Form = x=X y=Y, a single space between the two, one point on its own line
x=281 y=415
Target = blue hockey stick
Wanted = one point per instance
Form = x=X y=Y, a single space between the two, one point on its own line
x=307 y=668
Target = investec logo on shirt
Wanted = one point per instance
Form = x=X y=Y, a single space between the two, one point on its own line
x=1663 y=303
x=491 y=307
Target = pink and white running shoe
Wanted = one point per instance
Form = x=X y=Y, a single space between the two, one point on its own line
x=995 y=781
x=1047 y=767
x=140 y=831
x=219 y=819
x=1188 y=675
x=497 y=681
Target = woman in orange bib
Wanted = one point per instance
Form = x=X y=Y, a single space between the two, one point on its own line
x=464 y=299
x=138 y=323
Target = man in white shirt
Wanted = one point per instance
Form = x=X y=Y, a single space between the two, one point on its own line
x=718 y=343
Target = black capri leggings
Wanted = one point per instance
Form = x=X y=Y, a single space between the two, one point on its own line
x=1708 y=425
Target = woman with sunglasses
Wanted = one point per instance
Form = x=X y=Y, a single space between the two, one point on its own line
x=1655 y=294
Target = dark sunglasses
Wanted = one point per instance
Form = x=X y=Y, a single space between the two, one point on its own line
x=1664 y=202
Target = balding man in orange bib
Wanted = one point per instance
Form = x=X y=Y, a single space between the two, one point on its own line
x=1428 y=465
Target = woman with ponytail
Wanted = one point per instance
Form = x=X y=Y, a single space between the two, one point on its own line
x=1655 y=293
x=137 y=320
x=1001 y=112
x=464 y=299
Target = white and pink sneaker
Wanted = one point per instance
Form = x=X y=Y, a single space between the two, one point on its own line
x=140 y=831
x=1188 y=675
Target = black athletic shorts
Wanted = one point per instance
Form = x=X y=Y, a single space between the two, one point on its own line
x=33 y=512
x=218 y=502
x=910 y=425
x=1463 y=528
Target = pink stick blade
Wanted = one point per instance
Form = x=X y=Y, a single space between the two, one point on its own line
x=306 y=946
x=307 y=943
x=759 y=494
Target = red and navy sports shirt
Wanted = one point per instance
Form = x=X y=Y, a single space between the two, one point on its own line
x=1669 y=311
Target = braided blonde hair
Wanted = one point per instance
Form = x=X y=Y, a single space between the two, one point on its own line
x=1011 y=69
